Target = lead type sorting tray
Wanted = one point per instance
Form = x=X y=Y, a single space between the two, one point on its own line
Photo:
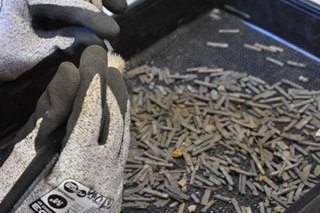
x=224 y=119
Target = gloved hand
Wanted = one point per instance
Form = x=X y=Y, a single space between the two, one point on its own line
x=95 y=142
x=25 y=42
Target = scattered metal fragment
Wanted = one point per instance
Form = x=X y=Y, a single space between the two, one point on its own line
x=285 y=94
x=316 y=158
x=261 y=207
x=137 y=71
x=229 y=31
x=222 y=198
x=271 y=48
x=248 y=208
x=195 y=198
x=203 y=139
x=207 y=206
x=206 y=84
x=257 y=162
x=226 y=175
x=242 y=184
x=203 y=180
x=236 y=205
x=161 y=203
x=290 y=83
x=192 y=208
x=181 y=208
x=252 y=188
x=303 y=122
x=173 y=204
x=156 y=193
x=193 y=69
x=216 y=44
x=275 y=61
x=138 y=205
x=206 y=197
x=303 y=79
x=252 y=47
x=296 y=64
x=276 y=49
x=316 y=170
x=183 y=182
x=300 y=149
x=243 y=172
x=280 y=201
x=269 y=182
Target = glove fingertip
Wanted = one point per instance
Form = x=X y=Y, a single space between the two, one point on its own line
x=70 y=71
x=93 y=51
x=67 y=76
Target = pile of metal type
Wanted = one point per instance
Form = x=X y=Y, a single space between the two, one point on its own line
x=230 y=134
x=208 y=139
x=213 y=136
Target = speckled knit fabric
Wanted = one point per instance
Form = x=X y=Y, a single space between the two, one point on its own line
x=91 y=5
x=21 y=48
x=52 y=110
x=99 y=167
x=17 y=162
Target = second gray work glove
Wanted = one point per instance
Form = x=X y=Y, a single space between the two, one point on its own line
x=88 y=175
x=28 y=37
x=36 y=37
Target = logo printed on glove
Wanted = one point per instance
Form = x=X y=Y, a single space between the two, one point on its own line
x=57 y=201
x=98 y=199
x=71 y=196
x=73 y=187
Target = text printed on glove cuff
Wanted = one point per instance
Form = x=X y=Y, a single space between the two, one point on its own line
x=72 y=197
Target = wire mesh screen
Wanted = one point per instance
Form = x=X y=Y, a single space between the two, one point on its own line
x=186 y=47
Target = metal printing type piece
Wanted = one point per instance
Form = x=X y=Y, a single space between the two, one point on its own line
x=296 y=64
x=181 y=208
x=236 y=205
x=195 y=198
x=207 y=206
x=229 y=31
x=261 y=207
x=223 y=198
x=206 y=197
x=252 y=47
x=216 y=44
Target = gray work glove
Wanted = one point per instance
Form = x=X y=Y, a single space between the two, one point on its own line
x=93 y=100
x=34 y=30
